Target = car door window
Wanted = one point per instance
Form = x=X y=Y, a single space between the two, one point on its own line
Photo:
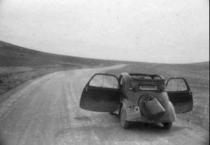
x=104 y=81
x=176 y=85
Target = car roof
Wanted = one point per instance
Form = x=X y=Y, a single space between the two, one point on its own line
x=136 y=75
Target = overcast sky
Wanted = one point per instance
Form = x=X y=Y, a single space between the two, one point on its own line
x=169 y=31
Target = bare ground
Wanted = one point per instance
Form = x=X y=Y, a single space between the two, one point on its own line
x=46 y=111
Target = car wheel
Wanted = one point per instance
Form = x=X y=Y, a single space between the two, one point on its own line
x=167 y=125
x=123 y=116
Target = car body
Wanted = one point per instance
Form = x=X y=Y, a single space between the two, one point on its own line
x=138 y=97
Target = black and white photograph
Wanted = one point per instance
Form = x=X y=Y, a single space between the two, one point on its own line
x=104 y=72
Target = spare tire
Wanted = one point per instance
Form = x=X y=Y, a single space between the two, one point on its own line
x=150 y=107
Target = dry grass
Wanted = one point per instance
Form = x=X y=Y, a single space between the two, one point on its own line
x=11 y=77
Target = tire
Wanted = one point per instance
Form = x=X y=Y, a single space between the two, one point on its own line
x=167 y=125
x=123 y=116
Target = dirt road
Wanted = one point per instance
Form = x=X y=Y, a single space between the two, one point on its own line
x=46 y=112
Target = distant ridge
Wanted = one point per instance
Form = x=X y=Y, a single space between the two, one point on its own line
x=12 y=55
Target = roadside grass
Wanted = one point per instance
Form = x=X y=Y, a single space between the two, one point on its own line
x=197 y=76
x=11 y=77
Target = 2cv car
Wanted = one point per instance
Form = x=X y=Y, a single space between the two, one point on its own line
x=138 y=97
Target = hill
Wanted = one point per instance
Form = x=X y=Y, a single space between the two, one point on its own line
x=18 y=65
x=12 y=55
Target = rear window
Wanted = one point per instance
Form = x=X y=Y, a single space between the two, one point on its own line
x=148 y=88
x=147 y=85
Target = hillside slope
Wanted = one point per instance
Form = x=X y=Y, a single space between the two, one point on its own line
x=12 y=55
x=18 y=65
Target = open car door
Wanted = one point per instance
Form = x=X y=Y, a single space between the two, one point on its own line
x=101 y=93
x=180 y=94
